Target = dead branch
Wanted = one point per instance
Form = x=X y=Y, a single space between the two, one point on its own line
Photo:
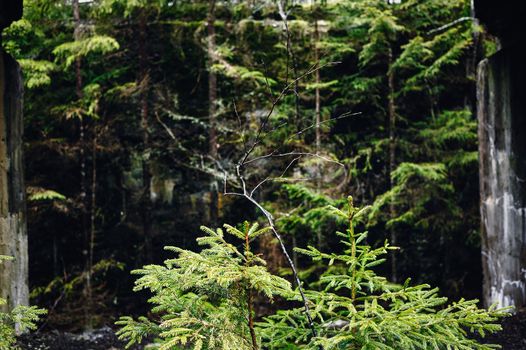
x=449 y=25
x=270 y=219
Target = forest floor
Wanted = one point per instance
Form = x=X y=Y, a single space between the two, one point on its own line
x=512 y=337
x=100 y=339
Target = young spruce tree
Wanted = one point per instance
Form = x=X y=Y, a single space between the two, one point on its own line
x=355 y=308
x=205 y=301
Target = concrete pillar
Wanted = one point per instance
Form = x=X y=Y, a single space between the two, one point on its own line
x=13 y=232
x=501 y=111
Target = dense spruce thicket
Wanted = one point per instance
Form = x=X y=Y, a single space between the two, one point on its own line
x=143 y=117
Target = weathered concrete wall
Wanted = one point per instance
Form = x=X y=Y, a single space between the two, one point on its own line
x=501 y=113
x=13 y=233
x=502 y=144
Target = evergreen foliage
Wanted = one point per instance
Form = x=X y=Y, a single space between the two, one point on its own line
x=21 y=318
x=205 y=300
x=357 y=309
x=117 y=125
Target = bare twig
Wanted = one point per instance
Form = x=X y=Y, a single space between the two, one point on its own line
x=290 y=53
x=449 y=25
x=294 y=153
x=315 y=125
x=241 y=127
x=166 y=128
x=275 y=151
x=270 y=220
x=273 y=107
x=258 y=185
x=288 y=166
x=270 y=92
x=268 y=178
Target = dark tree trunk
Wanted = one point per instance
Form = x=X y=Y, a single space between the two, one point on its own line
x=317 y=112
x=391 y=108
x=212 y=107
x=212 y=78
x=82 y=126
x=144 y=80
x=83 y=188
x=317 y=97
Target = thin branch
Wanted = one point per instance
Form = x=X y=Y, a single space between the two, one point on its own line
x=294 y=153
x=166 y=128
x=258 y=185
x=283 y=92
x=290 y=53
x=449 y=25
x=270 y=220
x=315 y=125
x=288 y=166
x=270 y=92
x=274 y=178
x=241 y=126
x=274 y=152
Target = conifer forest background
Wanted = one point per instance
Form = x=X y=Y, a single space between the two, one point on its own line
x=146 y=119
